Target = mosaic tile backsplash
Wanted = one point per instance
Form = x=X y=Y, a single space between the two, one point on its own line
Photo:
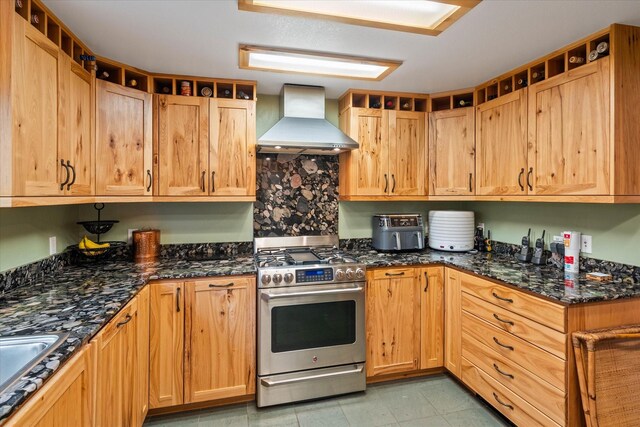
x=296 y=195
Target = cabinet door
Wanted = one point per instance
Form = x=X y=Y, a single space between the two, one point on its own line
x=166 y=344
x=141 y=382
x=65 y=400
x=232 y=147
x=452 y=155
x=393 y=313
x=183 y=145
x=34 y=85
x=569 y=132
x=76 y=126
x=116 y=360
x=221 y=337
x=432 y=317
x=407 y=153
x=370 y=162
x=123 y=141
x=452 y=322
x=501 y=145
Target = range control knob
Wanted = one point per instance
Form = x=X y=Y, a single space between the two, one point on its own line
x=277 y=278
x=359 y=274
x=265 y=279
x=350 y=274
x=339 y=275
x=288 y=278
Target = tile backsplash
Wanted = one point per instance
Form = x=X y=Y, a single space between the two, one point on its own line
x=296 y=195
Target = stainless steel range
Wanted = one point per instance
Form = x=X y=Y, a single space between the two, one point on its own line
x=311 y=340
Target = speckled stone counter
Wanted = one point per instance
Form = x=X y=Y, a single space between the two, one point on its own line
x=80 y=300
x=546 y=281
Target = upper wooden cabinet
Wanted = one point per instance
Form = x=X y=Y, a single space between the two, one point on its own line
x=390 y=163
x=232 y=152
x=47 y=145
x=123 y=141
x=501 y=145
x=452 y=157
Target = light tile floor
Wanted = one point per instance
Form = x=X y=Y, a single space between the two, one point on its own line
x=434 y=401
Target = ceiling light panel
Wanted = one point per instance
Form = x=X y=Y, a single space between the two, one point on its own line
x=420 y=16
x=319 y=63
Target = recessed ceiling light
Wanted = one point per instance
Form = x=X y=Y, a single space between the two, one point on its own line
x=417 y=16
x=309 y=62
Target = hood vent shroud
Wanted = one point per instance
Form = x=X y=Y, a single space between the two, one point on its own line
x=303 y=128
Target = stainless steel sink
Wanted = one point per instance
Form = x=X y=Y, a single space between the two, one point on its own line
x=19 y=354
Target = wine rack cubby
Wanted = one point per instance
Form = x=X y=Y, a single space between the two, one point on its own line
x=451 y=100
x=397 y=101
x=204 y=87
x=549 y=66
x=34 y=12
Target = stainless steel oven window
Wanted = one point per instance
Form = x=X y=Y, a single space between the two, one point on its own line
x=304 y=326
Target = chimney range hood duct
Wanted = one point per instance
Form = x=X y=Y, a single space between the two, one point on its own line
x=303 y=128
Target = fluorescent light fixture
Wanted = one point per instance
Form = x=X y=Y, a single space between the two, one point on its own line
x=308 y=62
x=418 y=16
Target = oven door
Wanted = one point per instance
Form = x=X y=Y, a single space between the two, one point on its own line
x=307 y=327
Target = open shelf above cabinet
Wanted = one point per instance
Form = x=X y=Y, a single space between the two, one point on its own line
x=398 y=101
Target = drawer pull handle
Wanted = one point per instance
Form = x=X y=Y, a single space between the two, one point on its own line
x=508 y=322
x=395 y=274
x=211 y=285
x=509 y=300
x=501 y=402
x=508 y=347
x=126 y=320
x=502 y=372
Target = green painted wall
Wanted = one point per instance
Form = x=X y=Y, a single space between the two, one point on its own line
x=25 y=232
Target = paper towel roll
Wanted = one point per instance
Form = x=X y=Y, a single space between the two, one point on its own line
x=572 y=251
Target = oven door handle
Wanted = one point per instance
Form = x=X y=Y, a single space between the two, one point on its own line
x=270 y=383
x=267 y=296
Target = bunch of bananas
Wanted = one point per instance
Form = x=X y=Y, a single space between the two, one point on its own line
x=92 y=248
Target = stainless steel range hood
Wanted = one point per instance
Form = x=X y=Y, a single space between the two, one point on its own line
x=303 y=128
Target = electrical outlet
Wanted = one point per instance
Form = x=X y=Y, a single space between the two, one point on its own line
x=130 y=235
x=585 y=244
x=481 y=225
x=53 y=245
x=558 y=239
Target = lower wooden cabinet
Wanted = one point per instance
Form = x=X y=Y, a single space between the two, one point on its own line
x=404 y=320
x=452 y=322
x=65 y=400
x=202 y=340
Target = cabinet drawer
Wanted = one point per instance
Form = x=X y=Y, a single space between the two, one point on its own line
x=539 y=335
x=122 y=318
x=548 y=399
x=224 y=282
x=543 y=364
x=392 y=273
x=545 y=312
x=508 y=403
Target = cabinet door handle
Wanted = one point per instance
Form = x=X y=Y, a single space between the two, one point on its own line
x=178 y=300
x=393 y=178
x=501 y=402
x=470 y=182
x=386 y=183
x=212 y=285
x=66 y=168
x=126 y=320
x=203 y=175
x=509 y=300
x=395 y=274
x=520 y=179
x=213 y=181
x=426 y=282
x=529 y=176
x=502 y=372
x=73 y=171
x=150 y=180
x=508 y=347
x=508 y=322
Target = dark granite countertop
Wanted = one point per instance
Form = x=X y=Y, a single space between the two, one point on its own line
x=80 y=300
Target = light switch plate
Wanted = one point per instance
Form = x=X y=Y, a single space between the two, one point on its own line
x=130 y=235
x=53 y=245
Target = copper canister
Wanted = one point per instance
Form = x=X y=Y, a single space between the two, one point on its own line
x=146 y=245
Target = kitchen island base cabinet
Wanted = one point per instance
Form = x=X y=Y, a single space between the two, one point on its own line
x=66 y=400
